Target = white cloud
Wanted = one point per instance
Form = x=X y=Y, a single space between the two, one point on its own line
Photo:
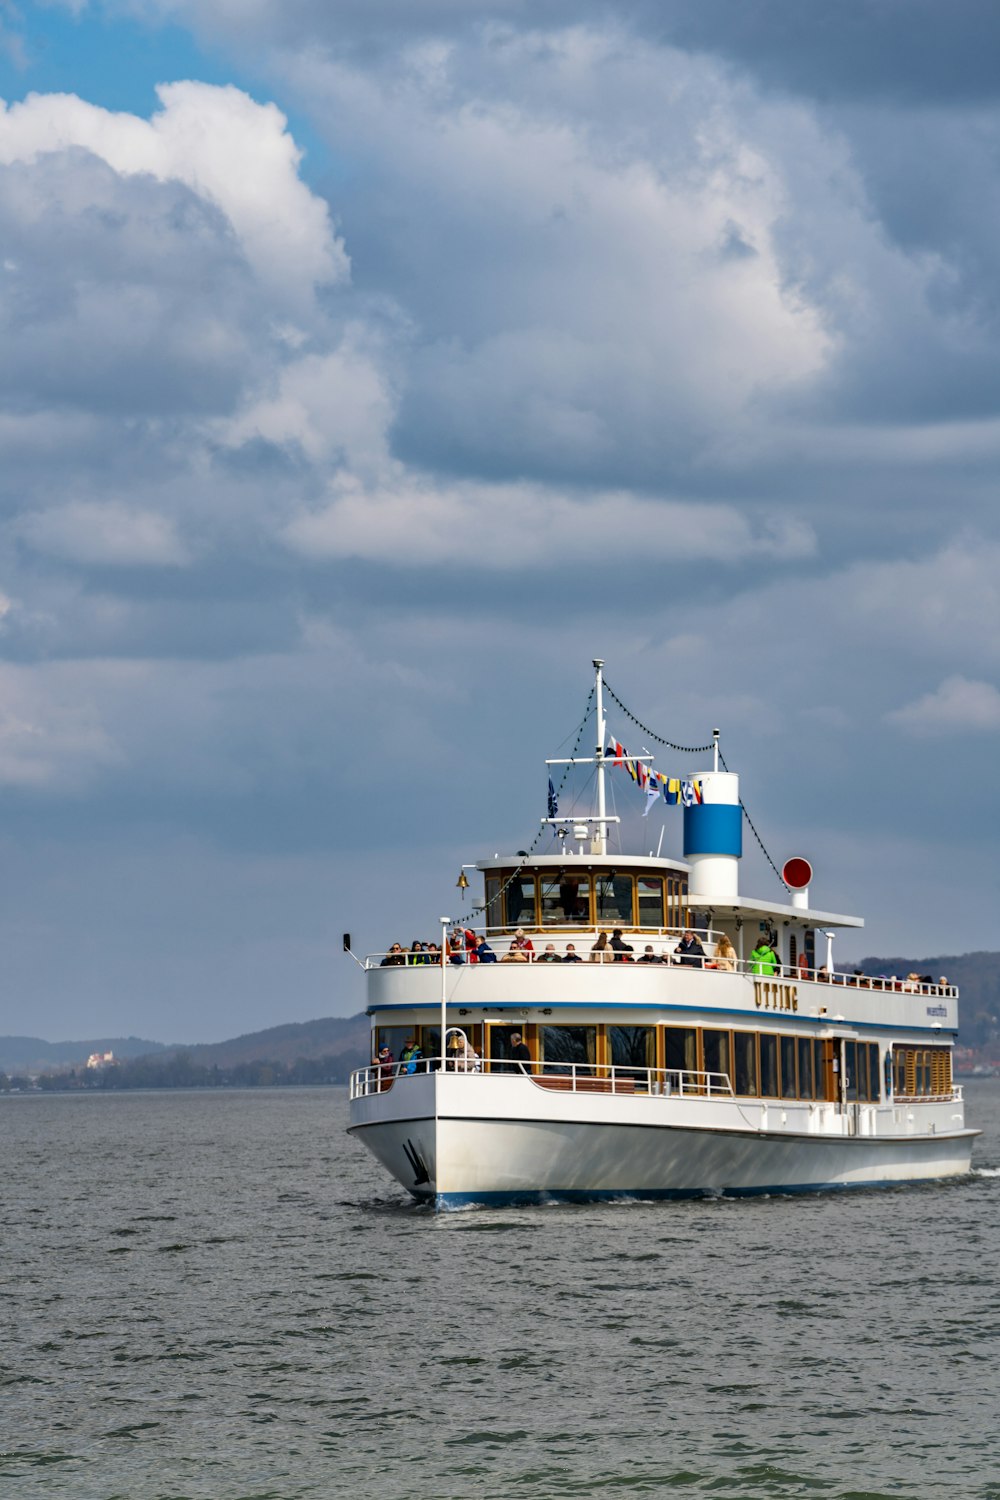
x=415 y=522
x=235 y=153
x=109 y=533
x=334 y=407
x=960 y=703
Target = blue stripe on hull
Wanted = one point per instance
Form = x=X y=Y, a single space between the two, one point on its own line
x=446 y=1201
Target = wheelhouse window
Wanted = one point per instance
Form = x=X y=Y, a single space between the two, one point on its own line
x=565 y=899
x=677 y=890
x=521 y=902
x=614 y=900
x=650 y=896
x=562 y=1047
x=494 y=908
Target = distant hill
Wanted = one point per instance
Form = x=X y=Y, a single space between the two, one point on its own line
x=323 y=1051
x=330 y=1036
x=30 y=1054
x=978 y=978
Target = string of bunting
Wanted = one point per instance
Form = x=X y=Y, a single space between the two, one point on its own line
x=553 y=797
x=685 y=749
x=697 y=750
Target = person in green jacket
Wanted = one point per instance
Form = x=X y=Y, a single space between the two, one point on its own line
x=763 y=959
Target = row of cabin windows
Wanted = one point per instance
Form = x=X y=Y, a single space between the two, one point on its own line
x=567 y=898
x=758 y=1064
x=921 y=1071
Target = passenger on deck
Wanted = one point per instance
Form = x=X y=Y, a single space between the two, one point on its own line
x=416 y=954
x=690 y=950
x=456 y=948
x=464 y=1058
x=515 y=955
x=601 y=952
x=524 y=943
x=823 y=974
x=763 y=959
x=649 y=957
x=395 y=958
x=571 y=956
x=410 y=1055
x=518 y=1051
x=550 y=956
x=621 y=948
x=433 y=953
x=386 y=1067
x=484 y=953
x=725 y=954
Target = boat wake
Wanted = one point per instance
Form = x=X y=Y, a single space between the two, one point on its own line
x=986 y=1171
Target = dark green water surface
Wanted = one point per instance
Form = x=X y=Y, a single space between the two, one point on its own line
x=220 y=1295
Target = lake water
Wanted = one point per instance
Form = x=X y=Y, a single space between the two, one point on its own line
x=220 y=1295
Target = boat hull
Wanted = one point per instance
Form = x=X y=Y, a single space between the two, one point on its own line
x=452 y=1150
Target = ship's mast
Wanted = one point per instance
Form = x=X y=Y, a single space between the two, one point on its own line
x=599 y=756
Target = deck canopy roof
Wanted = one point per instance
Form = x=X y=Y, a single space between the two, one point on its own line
x=750 y=907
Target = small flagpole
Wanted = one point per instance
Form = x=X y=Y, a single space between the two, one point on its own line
x=601 y=731
x=444 y=984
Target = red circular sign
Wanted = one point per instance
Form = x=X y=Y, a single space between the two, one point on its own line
x=797 y=873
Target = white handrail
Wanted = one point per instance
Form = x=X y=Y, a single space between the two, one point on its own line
x=583 y=948
x=379 y=1078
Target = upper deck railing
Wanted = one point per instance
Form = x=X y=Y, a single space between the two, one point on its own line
x=580 y=947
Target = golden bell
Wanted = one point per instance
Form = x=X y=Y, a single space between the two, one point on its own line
x=463 y=881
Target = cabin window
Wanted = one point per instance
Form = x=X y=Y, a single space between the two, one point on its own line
x=921 y=1071
x=650 y=893
x=808 y=1070
x=500 y=1046
x=614 y=900
x=680 y=1049
x=560 y=1047
x=632 y=1047
x=745 y=1062
x=565 y=899
x=716 y=1051
x=768 y=1066
x=851 y=1070
x=789 y=1088
x=521 y=902
x=940 y=1071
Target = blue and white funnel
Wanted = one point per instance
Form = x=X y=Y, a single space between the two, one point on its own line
x=713 y=838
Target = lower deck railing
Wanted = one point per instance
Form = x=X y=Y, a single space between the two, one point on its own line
x=592 y=1078
x=575 y=1078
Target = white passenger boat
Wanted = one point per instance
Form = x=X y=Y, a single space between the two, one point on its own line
x=735 y=1061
